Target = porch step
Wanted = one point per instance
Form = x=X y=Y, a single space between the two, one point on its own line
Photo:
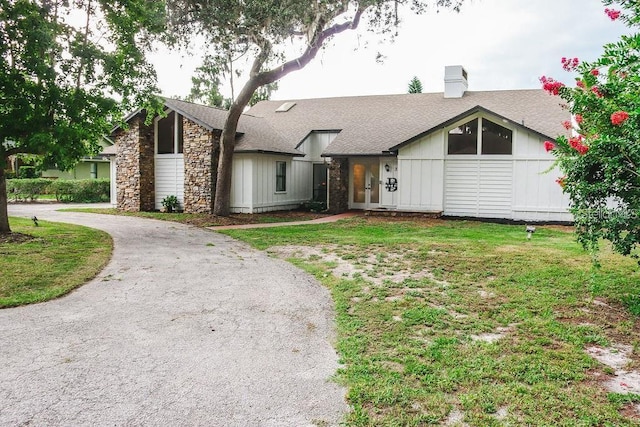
x=399 y=213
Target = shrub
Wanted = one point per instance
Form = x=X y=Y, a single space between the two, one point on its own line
x=170 y=203
x=21 y=190
x=81 y=191
x=27 y=172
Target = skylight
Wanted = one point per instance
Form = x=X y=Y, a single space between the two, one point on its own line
x=286 y=106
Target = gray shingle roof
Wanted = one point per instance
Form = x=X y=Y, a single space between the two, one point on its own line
x=255 y=134
x=371 y=125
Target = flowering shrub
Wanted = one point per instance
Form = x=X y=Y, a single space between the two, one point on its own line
x=601 y=160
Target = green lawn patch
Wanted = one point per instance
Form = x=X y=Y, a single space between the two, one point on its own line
x=45 y=262
x=444 y=322
x=206 y=220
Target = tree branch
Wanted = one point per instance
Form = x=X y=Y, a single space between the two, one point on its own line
x=310 y=52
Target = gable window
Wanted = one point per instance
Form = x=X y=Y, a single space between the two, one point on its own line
x=496 y=139
x=493 y=139
x=169 y=134
x=464 y=139
x=281 y=177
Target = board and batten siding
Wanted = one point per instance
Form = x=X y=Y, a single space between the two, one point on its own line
x=253 y=183
x=508 y=187
x=421 y=174
x=537 y=195
x=169 y=178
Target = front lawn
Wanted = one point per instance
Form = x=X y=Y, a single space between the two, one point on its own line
x=206 y=220
x=452 y=322
x=45 y=262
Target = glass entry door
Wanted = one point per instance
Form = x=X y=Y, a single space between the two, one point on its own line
x=365 y=187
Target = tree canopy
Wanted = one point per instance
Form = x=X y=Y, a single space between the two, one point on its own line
x=415 y=85
x=601 y=159
x=278 y=37
x=67 y=71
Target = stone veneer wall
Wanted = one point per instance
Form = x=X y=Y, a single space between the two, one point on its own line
x=135 y=167
x=200 y=166
x=338 y=186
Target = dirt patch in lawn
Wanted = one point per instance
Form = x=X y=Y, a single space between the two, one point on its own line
x=376 y=266
x=15 y=238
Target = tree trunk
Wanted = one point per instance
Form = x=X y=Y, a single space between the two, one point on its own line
x=4 y=216
x=222 y=200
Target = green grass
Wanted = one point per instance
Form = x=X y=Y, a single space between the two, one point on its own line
x=200 y=220
x=55 y=260
x=410 y=347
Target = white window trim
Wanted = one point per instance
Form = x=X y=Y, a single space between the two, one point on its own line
x=479 y=154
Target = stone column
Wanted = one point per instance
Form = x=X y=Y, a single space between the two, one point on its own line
x=200 y=164
x=135 y=167
x=338 y=185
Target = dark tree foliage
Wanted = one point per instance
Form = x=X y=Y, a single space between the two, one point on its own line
x=67 y=71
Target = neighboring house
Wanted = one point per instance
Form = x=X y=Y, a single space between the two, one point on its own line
x=87 y=168
x=472 y=154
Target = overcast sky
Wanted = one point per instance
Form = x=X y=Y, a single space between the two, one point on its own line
x=503 y=44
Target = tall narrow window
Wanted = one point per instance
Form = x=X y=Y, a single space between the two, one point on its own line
x=281 y=176
x=169 y=134
x=464 y=139
x=496 y=139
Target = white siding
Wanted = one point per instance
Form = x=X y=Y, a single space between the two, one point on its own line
x=537 y=195
x=388 y=198
x=242 y=183
x=254 y=183
x=421 y=174
x=478 y=188
x=420 y=184
x=169 y=178
x=315 y=144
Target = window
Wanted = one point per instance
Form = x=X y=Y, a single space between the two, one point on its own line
x=494 y=139
x=281 y=176
x=169 y=134
x=464 y=139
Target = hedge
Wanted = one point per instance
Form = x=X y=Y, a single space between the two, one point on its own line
x=79 y=191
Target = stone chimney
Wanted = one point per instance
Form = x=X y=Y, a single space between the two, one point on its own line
x=455 y=81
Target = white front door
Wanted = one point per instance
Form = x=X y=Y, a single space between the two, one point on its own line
x=365 y=183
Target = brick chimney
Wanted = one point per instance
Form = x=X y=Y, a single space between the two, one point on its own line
x=455 y=81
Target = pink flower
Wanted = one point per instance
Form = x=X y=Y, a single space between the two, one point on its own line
x=561 y=181
x=567 y=124
x=576 y=143
x=597 y=92
x=595 y=72
x=548 y=145
x=580 y=84
x=570 y=64
x=579 y=118
x=619 y=117
x=612 y=13
x=550 y=85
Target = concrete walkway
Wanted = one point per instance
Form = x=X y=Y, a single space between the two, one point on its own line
x=184 y=327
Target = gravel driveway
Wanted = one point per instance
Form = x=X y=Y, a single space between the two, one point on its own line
x=183 y=327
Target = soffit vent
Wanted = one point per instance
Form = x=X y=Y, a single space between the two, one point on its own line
x=285 y=107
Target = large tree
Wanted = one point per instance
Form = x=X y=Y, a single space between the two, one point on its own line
x=67 y=71
x=267 y=31
x=601 y=160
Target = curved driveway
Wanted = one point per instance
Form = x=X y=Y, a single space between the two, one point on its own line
x=184 y=327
